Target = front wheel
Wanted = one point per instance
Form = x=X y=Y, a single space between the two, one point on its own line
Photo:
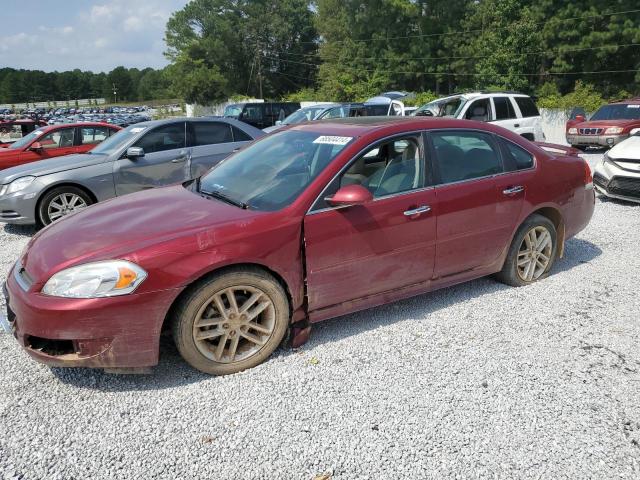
x=531 y=254
x=62 y=201
x=231 y=322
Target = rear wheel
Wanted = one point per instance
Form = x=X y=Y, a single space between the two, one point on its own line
x=531 y=254
x=62 y=201
x=231 y=322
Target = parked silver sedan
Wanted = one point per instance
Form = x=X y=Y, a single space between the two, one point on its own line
x=144 y=155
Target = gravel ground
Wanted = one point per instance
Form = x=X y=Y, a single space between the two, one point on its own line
x=474 y=381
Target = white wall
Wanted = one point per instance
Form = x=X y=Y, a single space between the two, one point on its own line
x=553 y=125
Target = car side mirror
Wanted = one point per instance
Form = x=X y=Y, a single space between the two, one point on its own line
x=580 y=118
x=36 y=147
x=135 y=152
x=350 y=195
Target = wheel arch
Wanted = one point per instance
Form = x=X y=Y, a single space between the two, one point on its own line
x=44 y=192
x=218 y=270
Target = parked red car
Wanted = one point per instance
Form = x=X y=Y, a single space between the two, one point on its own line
x=610 y=125
x=315 y=221
x=55 y=141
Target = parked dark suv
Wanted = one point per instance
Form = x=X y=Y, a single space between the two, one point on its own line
x=261 y=115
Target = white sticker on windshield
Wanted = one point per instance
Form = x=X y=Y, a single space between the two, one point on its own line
x=633 y=106
x=138 y=129
x=330 y=140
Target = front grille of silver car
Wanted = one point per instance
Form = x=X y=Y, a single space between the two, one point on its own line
x=590 y=131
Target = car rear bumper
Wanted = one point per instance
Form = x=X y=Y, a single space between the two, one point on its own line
x=116 y=332
x=595 y=140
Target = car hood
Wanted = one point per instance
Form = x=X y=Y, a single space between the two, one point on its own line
x=628 y=150
x=50 y=165
x=122 y=226
x=606 y=123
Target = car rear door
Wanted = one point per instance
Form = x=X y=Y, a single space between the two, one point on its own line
x=386 y=244
x=166 y=160
x=210 y=143
x=472 y=228
x=505 y=115
x=530 y=120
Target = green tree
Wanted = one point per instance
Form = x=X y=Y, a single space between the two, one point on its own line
x=239 y=46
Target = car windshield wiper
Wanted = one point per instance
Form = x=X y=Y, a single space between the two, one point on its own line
x=221 y=196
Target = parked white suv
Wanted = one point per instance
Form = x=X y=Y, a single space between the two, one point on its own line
x=511 y=110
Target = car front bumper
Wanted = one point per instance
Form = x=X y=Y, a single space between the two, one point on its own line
x=613 y=181
x=115 y=332
x=19 y=208
x=595 y=140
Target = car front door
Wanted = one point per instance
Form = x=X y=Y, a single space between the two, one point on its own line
x=210 y=143
x=383 y=245
x=166 y=160
x=54 y=144
x=472 y=230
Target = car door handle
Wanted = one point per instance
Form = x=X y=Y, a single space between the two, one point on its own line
x=417 y=211
x=516 y=125
x=179 y=159
x=513 y=190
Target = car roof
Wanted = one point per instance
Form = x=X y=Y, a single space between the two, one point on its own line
x=630 y=101
x=358 y=126
x=49 y=128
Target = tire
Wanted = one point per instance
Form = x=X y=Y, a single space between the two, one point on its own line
x=533 y=266
x=48 y=207
x=246 y=340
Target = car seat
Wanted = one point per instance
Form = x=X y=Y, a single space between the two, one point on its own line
x=400 y=174
x=451 y=160
x=479 y=113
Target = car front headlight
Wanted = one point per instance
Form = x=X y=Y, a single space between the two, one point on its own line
x=573 y=131
x=613 y=130
x=94 y=280
x=17 y=185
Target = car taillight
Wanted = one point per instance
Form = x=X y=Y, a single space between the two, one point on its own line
x=588 y=177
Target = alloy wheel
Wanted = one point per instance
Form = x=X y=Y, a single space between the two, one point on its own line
x=234 y=324
x=64 y=204
x=534 y=254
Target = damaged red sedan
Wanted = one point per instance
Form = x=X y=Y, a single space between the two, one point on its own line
x=309 y=223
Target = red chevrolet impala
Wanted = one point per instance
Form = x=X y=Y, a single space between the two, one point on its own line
x=312 y=222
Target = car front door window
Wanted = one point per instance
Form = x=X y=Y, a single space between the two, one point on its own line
x=479 y=110
x=59 y=139
x=166 y=137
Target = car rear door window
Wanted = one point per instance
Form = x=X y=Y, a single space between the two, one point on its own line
x=504 y=108
x=527 y=107
x=465 y=155
x=240 y=136
x=93 y=135
x=165 y=137
x=518 y=156
x=211 y=133
x=59 y=139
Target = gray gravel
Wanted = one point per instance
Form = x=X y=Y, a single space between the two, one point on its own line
x=474 y=381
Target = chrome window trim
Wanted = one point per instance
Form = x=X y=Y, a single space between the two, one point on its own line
x=354 y=158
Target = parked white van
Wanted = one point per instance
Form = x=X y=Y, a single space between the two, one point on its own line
x=511 y=110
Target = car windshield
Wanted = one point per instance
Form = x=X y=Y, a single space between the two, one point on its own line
x=117 y=140
x=617 y=112
x=303 y=115
x=233 y=111
x=448 y=107
x=24 y=141
x=271 y=173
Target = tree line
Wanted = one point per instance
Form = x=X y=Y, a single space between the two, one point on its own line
x=131 y=84
x=348 y=50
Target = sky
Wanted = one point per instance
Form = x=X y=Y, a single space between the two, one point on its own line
x=96 y=35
